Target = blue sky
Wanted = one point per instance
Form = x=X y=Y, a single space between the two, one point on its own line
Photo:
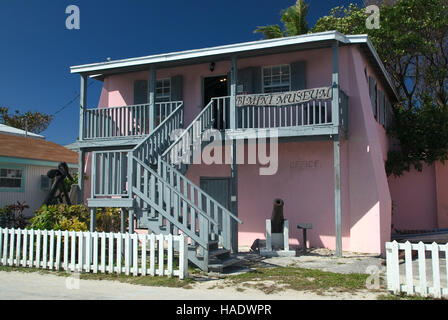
x=37 y=49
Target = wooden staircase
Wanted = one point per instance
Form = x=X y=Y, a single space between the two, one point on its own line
x=168 y=203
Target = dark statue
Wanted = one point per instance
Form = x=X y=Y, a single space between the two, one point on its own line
x=59 y=176
x=277 y=216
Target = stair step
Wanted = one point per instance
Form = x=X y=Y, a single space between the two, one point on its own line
x=218 y=253
x=220 y=266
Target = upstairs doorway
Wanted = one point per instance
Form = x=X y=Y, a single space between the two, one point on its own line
x=214 y=87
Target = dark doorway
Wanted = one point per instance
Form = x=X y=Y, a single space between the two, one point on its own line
x=215 y=87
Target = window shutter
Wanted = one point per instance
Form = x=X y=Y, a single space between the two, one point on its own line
x=389 y=114
x=140 y=91
x=372 y=93
x=176 y=88
x=381 y=107
x=298 y=75
x=256 y=80
x=245 y=79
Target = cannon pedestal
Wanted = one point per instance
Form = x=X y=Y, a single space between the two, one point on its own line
x=277 y=243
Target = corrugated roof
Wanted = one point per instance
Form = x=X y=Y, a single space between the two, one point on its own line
x=11 y=130
x=35 y=148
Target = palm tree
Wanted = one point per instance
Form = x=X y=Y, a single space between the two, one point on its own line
x=293 y=19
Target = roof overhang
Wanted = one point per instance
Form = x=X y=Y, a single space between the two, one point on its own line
x=240 y=50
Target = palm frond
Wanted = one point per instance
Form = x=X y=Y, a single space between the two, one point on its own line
x=271 y=31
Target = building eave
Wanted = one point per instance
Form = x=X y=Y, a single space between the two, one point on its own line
x=311 y=40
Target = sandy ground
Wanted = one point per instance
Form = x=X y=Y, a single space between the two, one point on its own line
x=19 y=285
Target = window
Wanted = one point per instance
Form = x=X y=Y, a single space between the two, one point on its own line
x=11 y=178
x=163 y=90
x=276 y=78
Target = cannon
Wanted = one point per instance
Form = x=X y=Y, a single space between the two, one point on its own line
x=277 y=216
x=59 y=176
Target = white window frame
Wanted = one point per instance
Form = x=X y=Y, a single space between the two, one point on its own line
x=273 y=86
x=162 y=97
x=22 y=179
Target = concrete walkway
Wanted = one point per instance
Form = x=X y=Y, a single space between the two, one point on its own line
x=32 y=285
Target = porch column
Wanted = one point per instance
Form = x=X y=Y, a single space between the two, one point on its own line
x=336 y=149
x=92 y=219
x=131 y=220
x=234 y=166
x=81 y=153
x=123 y=221
x=81 y=165
x=83 y=106
x=152 y=98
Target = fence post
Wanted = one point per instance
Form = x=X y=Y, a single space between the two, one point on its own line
x=161 y=254
x=408 y=266
x=183 y=257
x=435 y=270
x=11 y=247
x=393 y=268
x=25 y=247
x=1 y=243
x=170 y=254
x=422 y=268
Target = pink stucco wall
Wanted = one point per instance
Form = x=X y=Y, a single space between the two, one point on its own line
x=414 y=200
x=308 y=192
x=441 y=170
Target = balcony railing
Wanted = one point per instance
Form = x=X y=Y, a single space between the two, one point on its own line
x=312 y=113
x=126 y=121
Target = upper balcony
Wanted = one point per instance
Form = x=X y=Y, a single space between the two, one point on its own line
x=124 y=125
x=310 y=113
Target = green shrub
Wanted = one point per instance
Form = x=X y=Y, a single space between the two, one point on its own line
x=61 y=217
x=108 y=219
x=75 y=218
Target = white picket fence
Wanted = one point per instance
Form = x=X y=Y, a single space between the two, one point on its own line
x=136 y=254
x=426 y=276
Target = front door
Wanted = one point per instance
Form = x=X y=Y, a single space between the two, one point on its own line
x=218 y=189
x=215 y=87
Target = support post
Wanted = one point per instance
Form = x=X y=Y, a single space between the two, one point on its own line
x=123 y=221
x=337 y=194
x=335 y=85
x=81 y=165
x=131 y=220
x=92 y=219
x=336 y=148
x=268 y=235
x=83 y=106
x=152 y=98
x=234 y=166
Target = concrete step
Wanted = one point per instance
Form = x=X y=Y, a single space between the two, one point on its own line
x=221 y=265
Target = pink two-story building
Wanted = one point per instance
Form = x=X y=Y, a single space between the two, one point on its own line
x=299 y=118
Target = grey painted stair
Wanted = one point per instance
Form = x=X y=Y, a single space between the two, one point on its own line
x=221 y=264
x=165 y=199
